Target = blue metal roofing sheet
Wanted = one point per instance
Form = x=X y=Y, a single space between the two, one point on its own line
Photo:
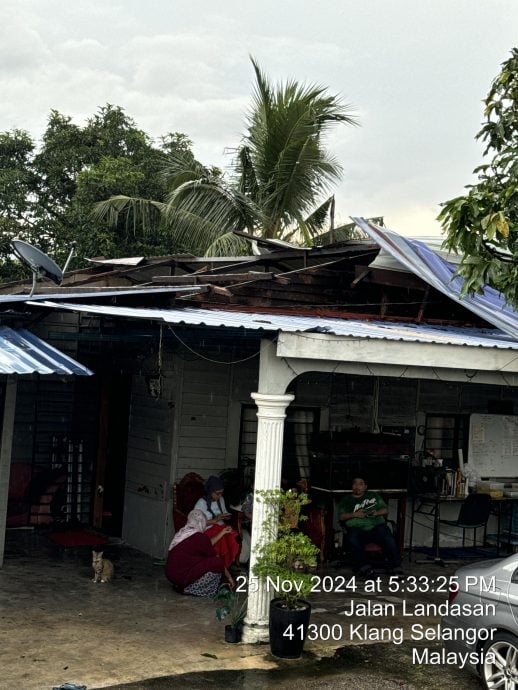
x=355 y=328
x=22 y=352
x=440 y=274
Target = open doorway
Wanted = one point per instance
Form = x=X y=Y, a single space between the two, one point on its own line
x=112 y=453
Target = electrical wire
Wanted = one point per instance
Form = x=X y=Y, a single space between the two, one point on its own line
x=209 y=359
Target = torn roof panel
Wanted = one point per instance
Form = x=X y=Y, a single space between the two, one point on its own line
x=125 y=261
x=426 y=264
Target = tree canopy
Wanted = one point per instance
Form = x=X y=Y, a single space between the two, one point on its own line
x=47 y=191
x=275 y=186
x=160 y=199
x=483 y=223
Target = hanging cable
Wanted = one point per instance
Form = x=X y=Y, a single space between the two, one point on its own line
x=209 y=359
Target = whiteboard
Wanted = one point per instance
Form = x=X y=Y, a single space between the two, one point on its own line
x=493 y=444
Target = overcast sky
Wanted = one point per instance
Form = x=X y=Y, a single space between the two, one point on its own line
x=415 y=70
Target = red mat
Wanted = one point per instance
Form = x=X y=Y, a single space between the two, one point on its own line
x=77 y=538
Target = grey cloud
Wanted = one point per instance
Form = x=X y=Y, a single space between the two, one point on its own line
x=416 y=73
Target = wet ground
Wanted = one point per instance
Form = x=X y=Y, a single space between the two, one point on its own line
x=369 y=667
x=57 y=626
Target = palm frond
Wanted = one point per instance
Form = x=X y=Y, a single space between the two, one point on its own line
x=247 y=180
x=138 y=214
x=200 y=212
x=262 y=96
x=316 y=220
x=180 y=167
x=227 y=245
x=300 y=234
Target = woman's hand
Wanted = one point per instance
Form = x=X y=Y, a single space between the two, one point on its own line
x=226 y=530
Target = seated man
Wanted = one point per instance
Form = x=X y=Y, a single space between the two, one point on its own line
x=362 y=512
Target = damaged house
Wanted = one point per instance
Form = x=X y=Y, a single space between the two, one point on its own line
x=316 y=363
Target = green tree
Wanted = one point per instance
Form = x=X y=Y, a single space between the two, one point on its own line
x=274 y=187
x=18 y=189
x=47 y=193
x=483 y=223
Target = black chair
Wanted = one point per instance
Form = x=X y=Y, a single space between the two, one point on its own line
x=473 y=513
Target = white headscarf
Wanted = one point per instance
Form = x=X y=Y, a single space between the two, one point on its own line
x=196 y=523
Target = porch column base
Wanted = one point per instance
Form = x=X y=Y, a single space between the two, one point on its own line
x=255 y=633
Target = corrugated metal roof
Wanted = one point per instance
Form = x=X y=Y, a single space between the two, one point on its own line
x=355 y=328
x=100 y=292
x=22 y=352
x=440 y=274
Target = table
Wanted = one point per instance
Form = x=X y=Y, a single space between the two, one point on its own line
x=434 y=501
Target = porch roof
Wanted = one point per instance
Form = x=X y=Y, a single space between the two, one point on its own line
x=348 y=328
x=22 y=352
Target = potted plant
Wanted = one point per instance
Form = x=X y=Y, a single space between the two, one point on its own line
x=234 y=606
x=285 y=560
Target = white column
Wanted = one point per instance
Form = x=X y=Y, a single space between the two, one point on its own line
x=5 y=456
x=271 y=412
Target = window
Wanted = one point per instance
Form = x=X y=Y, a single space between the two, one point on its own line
x=445 y=435
x=300 y=424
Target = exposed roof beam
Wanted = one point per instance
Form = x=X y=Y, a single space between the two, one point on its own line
x=195 y=278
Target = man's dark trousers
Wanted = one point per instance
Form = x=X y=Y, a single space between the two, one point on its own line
x=357 y=538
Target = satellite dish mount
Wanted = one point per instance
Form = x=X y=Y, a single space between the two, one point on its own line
x=41 y=265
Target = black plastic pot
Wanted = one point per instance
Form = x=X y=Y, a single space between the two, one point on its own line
x=233 y=634
x=288 y=628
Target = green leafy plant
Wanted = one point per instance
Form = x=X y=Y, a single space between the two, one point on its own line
x=285 y=557
x=482 y=224
x=231 y=605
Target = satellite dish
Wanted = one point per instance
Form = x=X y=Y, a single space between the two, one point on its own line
x=41 y=265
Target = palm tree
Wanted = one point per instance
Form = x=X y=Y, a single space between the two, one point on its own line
x=274 y=187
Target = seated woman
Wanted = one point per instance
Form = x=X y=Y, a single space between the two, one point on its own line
x=214 y=509
x=193 y=565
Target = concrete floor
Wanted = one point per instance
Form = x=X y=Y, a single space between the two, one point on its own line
x=57 y=626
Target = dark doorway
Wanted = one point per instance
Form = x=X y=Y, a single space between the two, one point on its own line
x=112 y=453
